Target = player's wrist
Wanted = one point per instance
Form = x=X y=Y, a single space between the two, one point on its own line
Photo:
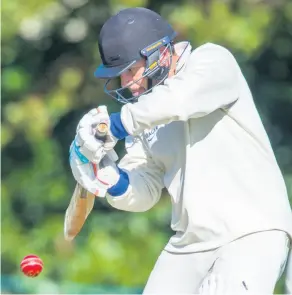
x=116 y=126
x=121 y=185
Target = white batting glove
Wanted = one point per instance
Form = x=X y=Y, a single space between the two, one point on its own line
x=91 y=147
x=95 y=178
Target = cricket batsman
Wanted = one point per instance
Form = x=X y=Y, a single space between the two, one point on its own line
x=191 y=126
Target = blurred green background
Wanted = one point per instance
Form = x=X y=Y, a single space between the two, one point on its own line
x=49 y=53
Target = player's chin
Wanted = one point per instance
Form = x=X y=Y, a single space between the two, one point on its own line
x=138 y=92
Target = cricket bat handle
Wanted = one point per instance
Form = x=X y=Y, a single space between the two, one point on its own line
x=100 y=132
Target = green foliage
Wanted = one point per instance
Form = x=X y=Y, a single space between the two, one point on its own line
x=242 y=30
x=49 y=53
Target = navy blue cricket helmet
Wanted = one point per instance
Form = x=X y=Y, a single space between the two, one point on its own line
x=129 y=36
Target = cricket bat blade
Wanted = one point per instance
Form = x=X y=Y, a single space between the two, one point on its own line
x=81 y=204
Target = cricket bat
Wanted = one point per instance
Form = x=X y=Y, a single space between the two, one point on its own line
x=82 y=201
x=80 y=206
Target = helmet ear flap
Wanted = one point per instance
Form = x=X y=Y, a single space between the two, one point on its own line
x=153 y=69
x=156 y=68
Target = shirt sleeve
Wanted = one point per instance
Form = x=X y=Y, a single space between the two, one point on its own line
x=145 y=179
x=209 y=81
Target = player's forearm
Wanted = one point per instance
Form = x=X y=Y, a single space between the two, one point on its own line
x=140 y=195
x=209 y=82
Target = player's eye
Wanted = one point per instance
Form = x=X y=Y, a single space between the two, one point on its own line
x=128 y=72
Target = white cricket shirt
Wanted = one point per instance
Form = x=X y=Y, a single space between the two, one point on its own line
x=200 y=136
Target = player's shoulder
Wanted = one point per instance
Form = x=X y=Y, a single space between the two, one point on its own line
x=212 y=47
x=212 y=50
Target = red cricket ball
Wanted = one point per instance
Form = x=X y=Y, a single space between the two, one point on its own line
x=31 y=265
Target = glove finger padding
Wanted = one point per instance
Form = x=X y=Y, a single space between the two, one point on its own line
x=95 y=178
x=86 y=133
x=109 y=142
x=93 y=150
x=92 y=118
x=91 y=147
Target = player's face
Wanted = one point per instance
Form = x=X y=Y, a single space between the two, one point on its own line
x=132 y=78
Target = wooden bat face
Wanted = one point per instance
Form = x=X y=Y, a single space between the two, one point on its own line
x=80 y=206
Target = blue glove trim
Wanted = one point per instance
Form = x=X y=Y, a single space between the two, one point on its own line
x=82 y=158
x=121 y=186
x=117 y=128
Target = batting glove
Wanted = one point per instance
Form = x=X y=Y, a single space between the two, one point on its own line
x=98 y=178
x=90 y=147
